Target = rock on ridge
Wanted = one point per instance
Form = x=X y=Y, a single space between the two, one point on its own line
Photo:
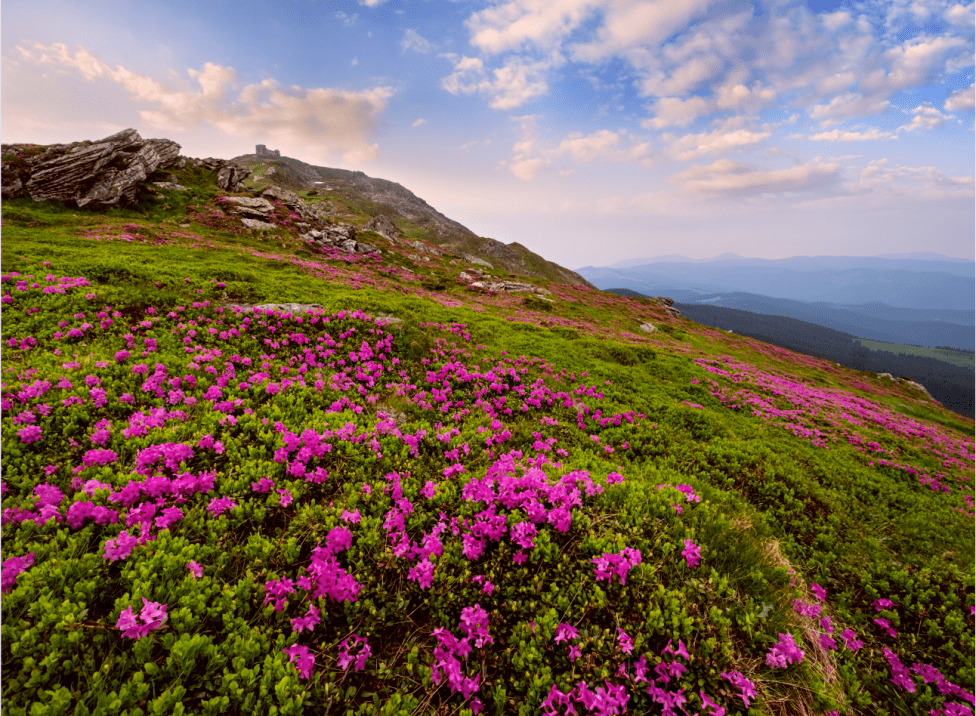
x=103 y=174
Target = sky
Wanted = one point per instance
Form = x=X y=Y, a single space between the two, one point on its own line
x=589 y=131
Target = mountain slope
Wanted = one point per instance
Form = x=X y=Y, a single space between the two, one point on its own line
x=244 y=473
x=371 y=196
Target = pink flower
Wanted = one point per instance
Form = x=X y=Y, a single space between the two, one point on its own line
x=30 y=434
x=195 y=569
x=304 y=661
x=784 y=652
x=691 y=554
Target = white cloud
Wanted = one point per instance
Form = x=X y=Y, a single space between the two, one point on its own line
x=419 y=122
x=725 y=177
x=327 y=120
x=412 y=40
x=530 y=156
x=838 y=135
x=917 y=61
x=691 y=146
x=674 y=111
x=961 y=100
x=518 y=23
x=848 y=106
x=912 y=183
x=926 y=117
x=637 y=24
x=840 y=65
x=509 y=86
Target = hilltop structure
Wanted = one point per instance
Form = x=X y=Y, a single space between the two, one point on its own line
x=262 y=151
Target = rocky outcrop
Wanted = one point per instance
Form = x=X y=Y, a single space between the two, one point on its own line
x=478 y=262
x=99 y=174
x=668 y=305
x=258 y=225
x=230 y=177
x=384 y=227
x=340 y=236
x=510 y=287
x=170 y=186
x=246 y=206
x=420 y=246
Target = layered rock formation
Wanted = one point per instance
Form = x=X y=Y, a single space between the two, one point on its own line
x=99 y=174
x=106 y=172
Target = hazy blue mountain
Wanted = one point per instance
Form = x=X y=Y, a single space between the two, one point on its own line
x=899 y=282
x=876 y=321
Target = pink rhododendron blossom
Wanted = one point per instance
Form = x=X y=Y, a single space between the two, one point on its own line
x=153 y=615
x=882 y=603
x=819 y=592
x=886 y=627
x=784 y=653
x=12 y=568
x=30 y=434
x=195 y=569
x=303 y=660
x=746 y=687
x=626 y=643
x=565 y=632
x=220 y=505
x=851 y=640
x=347 y=659
x=309 y=621
x=691 y=553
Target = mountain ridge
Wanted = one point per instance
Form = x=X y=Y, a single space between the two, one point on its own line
x=384 y=197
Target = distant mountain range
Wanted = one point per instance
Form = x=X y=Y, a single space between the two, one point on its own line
x=915 y=281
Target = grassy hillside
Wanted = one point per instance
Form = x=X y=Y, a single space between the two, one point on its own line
x=421 y=498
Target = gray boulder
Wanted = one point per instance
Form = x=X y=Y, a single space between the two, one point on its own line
x=251 y=207
x=648 y=327
x=170 y=186
x=102 y=174
x=231 y=175
x=511 y=287
x=384 y=227
x=258 y=225
x=475 y=260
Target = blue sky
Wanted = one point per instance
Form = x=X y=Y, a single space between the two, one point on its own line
x=590 y=131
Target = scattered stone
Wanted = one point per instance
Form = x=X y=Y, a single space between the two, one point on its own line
x=341 y=236
x=170 y=186
x=464 y=276
x=648 y=327
x=426 y=249
x=889 y=376
x=102 y=174
x=478 y=262
x=258 y=224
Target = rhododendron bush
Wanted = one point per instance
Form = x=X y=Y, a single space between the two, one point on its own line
x=209 y=508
